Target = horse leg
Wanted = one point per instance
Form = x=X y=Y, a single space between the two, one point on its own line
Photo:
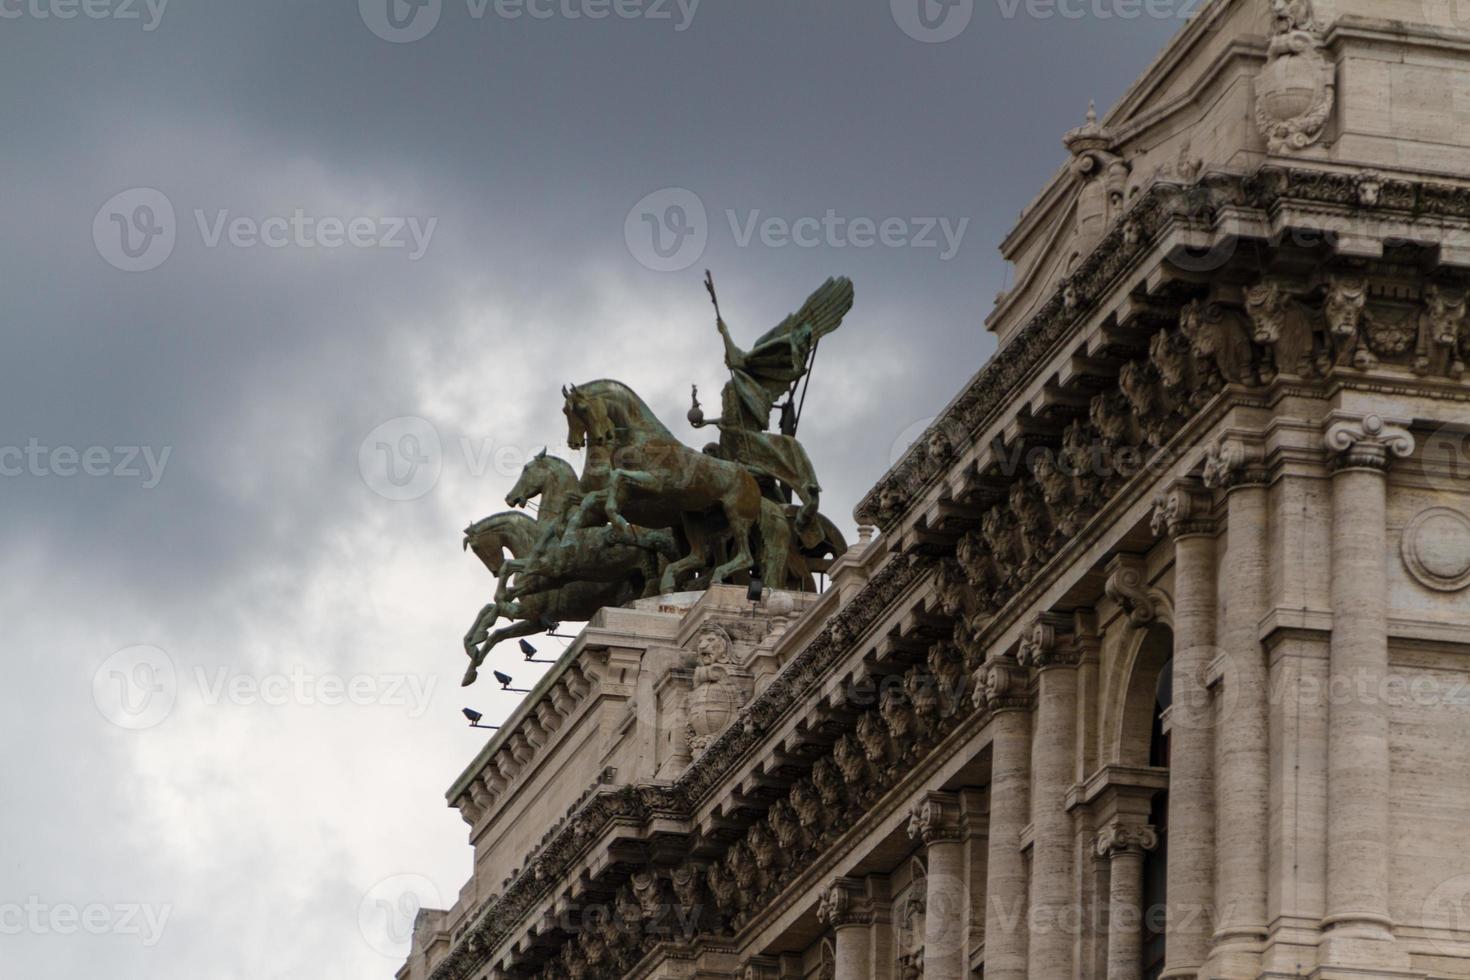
x=591 y=503
x=476 y=635
x=740 y=519
x=489 y=614
x=648 y=564
x=525 y=627
x=503 y=591
x=616 y=482
x=693 y=560
x=740 y=528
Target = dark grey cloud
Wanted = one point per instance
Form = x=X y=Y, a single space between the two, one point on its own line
x=263 y=549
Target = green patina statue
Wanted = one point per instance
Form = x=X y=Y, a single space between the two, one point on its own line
x=649 y=515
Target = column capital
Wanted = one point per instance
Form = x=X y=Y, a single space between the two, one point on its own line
x=1002 y=684
x=1365 y=442
x=1236 y=459
x=937 y=818
x=1123 y=838
x=845 y=903
x=1047 y=643
x=1185 y=509
x=761 y=968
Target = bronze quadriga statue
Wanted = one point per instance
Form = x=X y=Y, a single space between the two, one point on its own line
x=650 y=515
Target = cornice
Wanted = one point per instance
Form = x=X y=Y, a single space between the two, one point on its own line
x=1135 y=236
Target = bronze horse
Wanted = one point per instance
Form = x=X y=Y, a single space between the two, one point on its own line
x=637 y=468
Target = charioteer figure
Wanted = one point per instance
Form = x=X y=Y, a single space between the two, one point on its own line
x=759 y=378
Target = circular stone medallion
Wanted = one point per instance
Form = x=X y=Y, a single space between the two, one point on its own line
x=1437 y=549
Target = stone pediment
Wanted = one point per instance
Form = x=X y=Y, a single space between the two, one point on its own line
x=1190 y=111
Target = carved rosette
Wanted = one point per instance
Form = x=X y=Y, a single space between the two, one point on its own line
x=1184 y=510
x=1366 y=443
x=844 y=904
x=1121 y=838
x=936 y=819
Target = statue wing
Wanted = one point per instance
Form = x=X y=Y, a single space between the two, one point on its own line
x=823 y=309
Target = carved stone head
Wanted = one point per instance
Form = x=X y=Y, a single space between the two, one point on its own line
x=712 y=645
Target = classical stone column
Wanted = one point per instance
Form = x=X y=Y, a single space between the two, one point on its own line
x=1242 y=749
x=846 y=909
x=1002 y=686
x=1054 y=912
x=937 y=821
x=1357 y=740
x=1184 y=514
x=1123 y=845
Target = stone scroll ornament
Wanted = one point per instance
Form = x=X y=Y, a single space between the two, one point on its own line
x=1296 y=90
x=649 y=515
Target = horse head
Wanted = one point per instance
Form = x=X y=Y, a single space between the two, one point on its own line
x=587 y=418
x=531 y=484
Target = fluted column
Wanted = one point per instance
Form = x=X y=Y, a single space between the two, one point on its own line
x=1123 y=845
x=1053 y=884
x=1242 y=750
x=1184 y=514
x=1357 y=741
x=846 y=909
x=937 y=822
x=1003 y=689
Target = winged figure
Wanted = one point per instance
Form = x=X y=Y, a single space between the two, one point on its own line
x=760 y=376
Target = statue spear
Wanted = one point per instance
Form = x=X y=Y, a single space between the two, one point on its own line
x=709 y=284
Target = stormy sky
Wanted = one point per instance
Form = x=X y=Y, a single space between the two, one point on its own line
x=290 y=291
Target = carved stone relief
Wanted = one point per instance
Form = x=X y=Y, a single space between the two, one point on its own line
x=1436 y=549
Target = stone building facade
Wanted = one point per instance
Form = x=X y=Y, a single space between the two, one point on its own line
x=1158 y=661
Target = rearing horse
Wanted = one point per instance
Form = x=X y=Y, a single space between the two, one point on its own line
x=534 y=613
x=557 y=558
x=635 y=463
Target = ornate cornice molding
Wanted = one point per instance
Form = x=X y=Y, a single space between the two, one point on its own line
x=1164 y=205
